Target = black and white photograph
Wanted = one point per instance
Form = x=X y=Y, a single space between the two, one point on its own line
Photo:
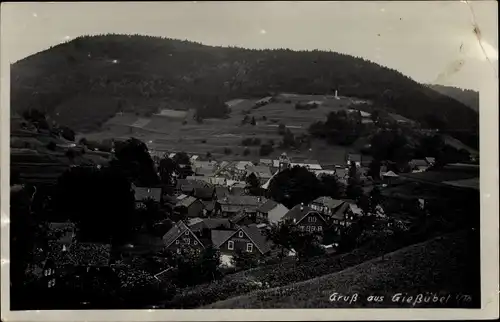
x=249 y=155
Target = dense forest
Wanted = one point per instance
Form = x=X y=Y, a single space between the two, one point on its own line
x=84 y=82
x=465 y=96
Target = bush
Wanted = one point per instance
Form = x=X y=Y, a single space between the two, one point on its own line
x=266 y=150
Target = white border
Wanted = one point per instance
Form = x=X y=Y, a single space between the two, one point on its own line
x=489 y=241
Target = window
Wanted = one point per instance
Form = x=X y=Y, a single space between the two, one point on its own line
x=195 y=243
x=313 y=228
x=46 y=272
x=320 y=228
x=240 y=234
x=187 y=240
x=186 y=233
x=230 y=245
x=177 y=242
x=311 y=219
x=178 y=250
x=302 y=228
x=249 y=247
x=308 y=228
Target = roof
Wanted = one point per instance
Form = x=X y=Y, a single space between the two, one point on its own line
x=390 y=174
x=142 y=193
x=209 y=205
x=267 y=206
x=266 y=161
x=203 y=193
x=205 y=171
x=220 y=236
x=175 y=232
x=400 y=118
x=238 y=216
x=80 y=254
x=260 y=170
x=242 y=200
x=221 y=192
x=341 y=172
x=298 y=213
x=341 y=211
x=430 y=160
x=328 y=202
x=190 y=184
x=242 y=165
x=354 y=157
x=186 y=202
x=311 y=166
x=61 y=232
x=253 y=233
x=419 y=163
x=277 y=214
x=208 y=223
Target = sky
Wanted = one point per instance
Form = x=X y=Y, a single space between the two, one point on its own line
x=429 y=41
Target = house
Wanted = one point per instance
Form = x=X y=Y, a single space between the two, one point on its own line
x=243 y=218
x=189 y=206
x=144 y=193
x=313 y=165
x=231 y=205
x=205 y=194
x=247 y=239
x=76 y=259
x=185 y=186
x=260 y=171
x=305 y=218
x=272 y=211
x=326 y=206
x=419 y=164
x=344 y=215
x=353 y=158
x=389 y=177
x=64 y=232
x=342 y=174
x=263 y=101
x=221 y=192
x=179 y=237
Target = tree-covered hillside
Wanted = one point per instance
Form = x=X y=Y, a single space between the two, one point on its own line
x=83 y=82
x=466 y=96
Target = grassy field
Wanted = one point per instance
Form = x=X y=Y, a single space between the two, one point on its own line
x=169 y=134
x=443 y=266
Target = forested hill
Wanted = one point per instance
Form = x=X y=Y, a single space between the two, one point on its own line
x=90 y=78
x=466 y=96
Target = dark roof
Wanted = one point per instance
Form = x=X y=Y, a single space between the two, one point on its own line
x=79 y=254
x=142 y=193
x=186 y=202
x=220 y=236
x=203 y=193
x=233 y=208
x=221 y=192
x=267 y=206
x=188 y=184
x=341 y=211
x=419 y=163
x=298 y=213
x=257 y=238
x=243 y=200
x=210 y=223
x=209 y=205
x=61 y=232
x=175 y=232
x=328 y=202
x=238 y=216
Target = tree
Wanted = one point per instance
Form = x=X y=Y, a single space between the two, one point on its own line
x=182 y=158
x=265 y=150
x=293 y=186
x=135 y=162
x=51 y=146
x=67 y=133
x=167 y=169
x=306 y=245
x=354 y=189
x=100 y=202
x=281 y=128
x=282 y=236
x=330 y=186
x=374 y=169
x=193 y=267
x=253 y=183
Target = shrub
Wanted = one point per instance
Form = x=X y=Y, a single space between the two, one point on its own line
x=266 y=150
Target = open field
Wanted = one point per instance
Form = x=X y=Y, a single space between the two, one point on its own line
x=441 y=266
x=169 y=134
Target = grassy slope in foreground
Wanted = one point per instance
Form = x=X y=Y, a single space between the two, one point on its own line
x=446 y=265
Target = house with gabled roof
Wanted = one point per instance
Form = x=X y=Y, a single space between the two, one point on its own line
x=181 y=236
x=306 y=219
x=144 y=193
x=326 y=205
x=231 y=205
x=204 y=193
x=188 y=206
x=246 y=238
x=271 y=211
